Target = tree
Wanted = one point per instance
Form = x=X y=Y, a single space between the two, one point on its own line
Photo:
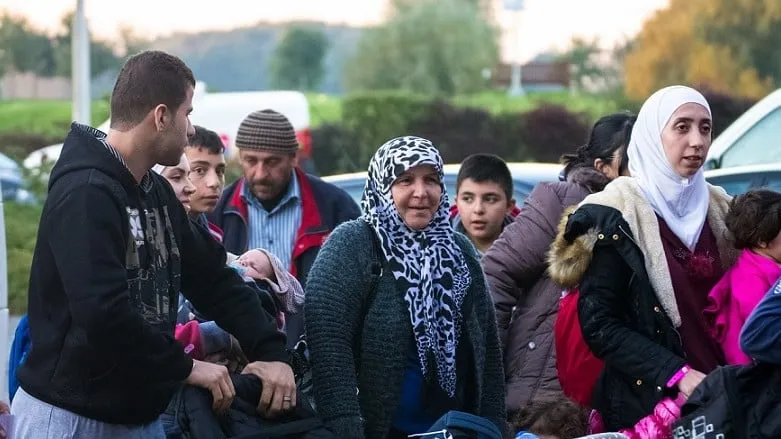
x=612 y=78
x=486 y=7
x=432 y=46
x=297 y=62
x=748 y=30
x=130 y=42
x=730 y=46
x=23 y=48
x=583 y=56
x=102 y=56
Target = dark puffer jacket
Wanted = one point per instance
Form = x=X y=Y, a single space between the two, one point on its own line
x=525 y=297
x=629 y=316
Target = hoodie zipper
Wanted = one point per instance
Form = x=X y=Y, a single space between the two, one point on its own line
x=675 y=330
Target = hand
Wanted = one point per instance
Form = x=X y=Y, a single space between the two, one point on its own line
x=690 y=381
x=279 y=387
x=214 y=378
x=4 y=409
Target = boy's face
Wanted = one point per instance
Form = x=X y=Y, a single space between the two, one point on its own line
x=483 y=207
x=207 y=172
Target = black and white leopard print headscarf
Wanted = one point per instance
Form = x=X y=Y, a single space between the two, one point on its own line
x=427 y=263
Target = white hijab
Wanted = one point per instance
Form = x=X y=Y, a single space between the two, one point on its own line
x=159 y=169
x=681 y=202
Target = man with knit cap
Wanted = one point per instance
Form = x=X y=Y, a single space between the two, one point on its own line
x=277 y=206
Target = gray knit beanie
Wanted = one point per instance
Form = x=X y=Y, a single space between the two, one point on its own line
x=267 y=130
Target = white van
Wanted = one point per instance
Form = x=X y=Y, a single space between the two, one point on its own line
x=752 y=139
x=222 y=113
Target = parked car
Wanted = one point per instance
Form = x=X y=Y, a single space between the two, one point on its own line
x=752 y=139
x=12 y=181
x=739 y=179
x=222 y=113
x=525 y=177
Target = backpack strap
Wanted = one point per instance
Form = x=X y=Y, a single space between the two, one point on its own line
x=376 y=270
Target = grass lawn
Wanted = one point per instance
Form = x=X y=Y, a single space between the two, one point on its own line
x=44 y=118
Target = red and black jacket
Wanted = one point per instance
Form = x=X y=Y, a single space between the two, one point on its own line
x=324 y=206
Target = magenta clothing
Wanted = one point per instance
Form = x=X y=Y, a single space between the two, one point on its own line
x=693 y=275
x=189 y=335
x=657 y=425
x=732 y=299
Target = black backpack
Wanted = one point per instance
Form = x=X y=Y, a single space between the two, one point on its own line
x=299 y=355
x=734 y=402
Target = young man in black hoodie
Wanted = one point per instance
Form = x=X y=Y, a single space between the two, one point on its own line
x=114 y=249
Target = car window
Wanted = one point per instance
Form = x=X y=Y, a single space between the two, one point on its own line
x=734 y=184
x=757 y=145
x=354 y=189
x=773 y=181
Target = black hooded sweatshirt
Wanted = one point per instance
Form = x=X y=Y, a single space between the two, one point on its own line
x=110 y=260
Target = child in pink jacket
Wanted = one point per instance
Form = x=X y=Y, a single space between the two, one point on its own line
x=754 y=221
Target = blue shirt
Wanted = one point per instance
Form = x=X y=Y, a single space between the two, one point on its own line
x=760 y=338
x=411 y=417
x=274 y=231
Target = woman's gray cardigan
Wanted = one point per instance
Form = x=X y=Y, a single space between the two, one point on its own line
x=338 y=289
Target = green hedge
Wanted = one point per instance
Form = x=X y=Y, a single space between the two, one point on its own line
x=374 y=118
x=21 y=230
x=542 y=132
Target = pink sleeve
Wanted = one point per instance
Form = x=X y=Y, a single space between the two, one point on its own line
x=749 y=290
x=189 y=335
x=659 y=423
x=717 y=311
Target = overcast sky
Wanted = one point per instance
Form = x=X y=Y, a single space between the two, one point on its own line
x=544 y=24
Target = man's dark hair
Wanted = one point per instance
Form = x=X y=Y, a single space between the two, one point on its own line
x=559 y=417
x=147 y=80
x=486 y=168
x=208 y=140
x=754 y=218
x=609 y=134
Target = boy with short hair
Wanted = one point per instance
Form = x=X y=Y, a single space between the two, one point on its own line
x=205 y=153
x=484 y=199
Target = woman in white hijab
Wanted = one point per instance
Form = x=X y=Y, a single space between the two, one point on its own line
x=645 y=253
x=179 y=178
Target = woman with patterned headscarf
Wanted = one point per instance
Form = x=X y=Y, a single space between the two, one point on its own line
x=399 y=320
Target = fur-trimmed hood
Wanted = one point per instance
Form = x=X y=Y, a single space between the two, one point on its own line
x=569 y=258
x=568 y=261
